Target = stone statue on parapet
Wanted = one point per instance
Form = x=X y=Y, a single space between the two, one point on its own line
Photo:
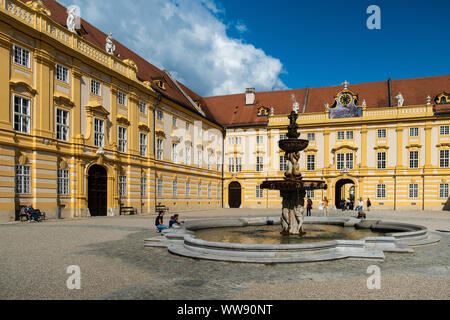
x=400 y=99
x=110 y=46
x=71 y=19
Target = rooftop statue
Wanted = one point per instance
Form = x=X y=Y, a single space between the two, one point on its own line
x=400 y=99
x=71 y=19
x=110 y=46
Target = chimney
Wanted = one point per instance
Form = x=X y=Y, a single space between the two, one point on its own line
x=250 y=96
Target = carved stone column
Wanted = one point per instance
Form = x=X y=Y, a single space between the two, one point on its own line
x=293 y=212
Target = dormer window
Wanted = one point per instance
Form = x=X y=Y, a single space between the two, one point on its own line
x=443 y=98
x=263 y=112
x=159 y=82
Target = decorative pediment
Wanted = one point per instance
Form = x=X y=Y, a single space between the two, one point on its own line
x=122 y=120
x=443 y=144
x=143 y=127
x=311 y=149
x=344 y=146
x=176 y=139
x=381 y=147
x=39 y=6
x=160 y=134
x=131 y=64
x=95 y=108
x=18 y=84
x=61 y=100
x=413 y=145
x=443 y=98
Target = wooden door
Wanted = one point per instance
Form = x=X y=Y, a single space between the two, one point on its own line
x=97 y=191
x=234 y=195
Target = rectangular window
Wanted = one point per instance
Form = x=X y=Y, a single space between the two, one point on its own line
x=413 y=190
x=62 y=74
x=62 y=125
x=231 y=141
x=63 y=182
x=311 y=136
x=159 y=149
x=122 y=99
x=99 y=132
x=21 y=56
x=209 y=161
x=142 y=107
x=259 y=164
x=96 y=87
x=444 y=130
x=340 y=161
x=22 y=114
x=349 y=135
x=443 y=190
x=174 y=153
x=122 y=139
x=414 y=159
x=382 y=133
x=199 y=190
x=174 y=189
x=209 y=191
x=310 y=193
x=310 y=162
x=143 y=144
x=188 y=189
x=283 y=163
x=381 y=191
x=283 y=137
x=174 y=122
x=259 y=192
x=341 y=135
x=231 y=165
x=188 y=156
x=349 y=160
x=23 y=179
x=413 y=132
x=381 y=160
x=143 y=186
x=239 y=140
x=259 y=139
x=159 y=188
x=123 y=186
x=238 y=164
x=444 y=158
x=159 y=115
x=188 y=127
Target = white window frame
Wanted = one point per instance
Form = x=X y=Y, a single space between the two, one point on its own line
x=283 y=163
x=188 y=189
x=219 y=191
x=349 y=135
x=349 y=161
x=142 y=107
x=123 y=186
x=414 y=161
x=311 y=136
x=444 y=158
x=96 y=87
x=231 y=141
x=159 y=188
x=174 y=188
x=159 y=149
x=22 y=120
x=188 y=156
x=122 y=139
x=199 y=158
x=310 y=162
x=174 y=122
x=444 y=130
x=340 y=161
x=283 y=137
x=414 y=132
x=122 y=98
x=238 y=140
x=142 y=144
x=21 y=56
x=143 y=186
x=63 y=182
x=231 y=167
x=62 y=73
x=413 y=190
x=238 y=163
x=382 y=133
x=259 y=164
x=209 y=161
x=443 y=190
x=310 y=193
x=174 y=153
x=381 y=191
x=209 y=191
x=62 y=124
x=381 y=160
x=22 y=179
x=341 y=135
x=199 y=190
x=259 y=192
x=159 y=115
x=99 y=135
x=259 y=139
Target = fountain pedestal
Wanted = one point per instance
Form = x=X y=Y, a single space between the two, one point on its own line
x=293 y=212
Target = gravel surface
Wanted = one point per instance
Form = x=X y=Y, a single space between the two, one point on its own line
x=115 y=265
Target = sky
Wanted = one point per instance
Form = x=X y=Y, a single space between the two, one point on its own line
x=218 y=47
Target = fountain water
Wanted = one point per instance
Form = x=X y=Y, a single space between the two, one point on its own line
x=293 y=187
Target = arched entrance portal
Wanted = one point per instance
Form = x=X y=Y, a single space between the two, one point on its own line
x=234 y=195
x=97 y=191
x=345 y=189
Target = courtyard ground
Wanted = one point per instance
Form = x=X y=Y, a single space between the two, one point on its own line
x=115 y=264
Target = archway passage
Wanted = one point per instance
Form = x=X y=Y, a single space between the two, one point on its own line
x=344 y=189
x=234 y=195
x=97 y=191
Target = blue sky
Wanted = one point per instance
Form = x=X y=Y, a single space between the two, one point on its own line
x=224 y=46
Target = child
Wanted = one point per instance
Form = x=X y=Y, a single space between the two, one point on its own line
x=159 y=222
x=174 y=220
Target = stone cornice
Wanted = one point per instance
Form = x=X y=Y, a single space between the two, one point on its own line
x=62 y=100
x=16 y=84
x=344 y=146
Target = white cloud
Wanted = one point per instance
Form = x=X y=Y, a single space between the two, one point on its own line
x=188 y=37
x=241 y=27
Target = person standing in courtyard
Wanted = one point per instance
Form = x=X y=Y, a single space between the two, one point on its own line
x=360 y=206
x=309 y=204
x=159 y=222
x=369 y=204
x=325 y=206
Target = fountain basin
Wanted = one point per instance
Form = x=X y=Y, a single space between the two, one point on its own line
x=290 y=185
x=184 y=242
x=293 y=145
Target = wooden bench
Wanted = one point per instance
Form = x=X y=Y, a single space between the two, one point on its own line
x=129 y=210
x=161 y=209
x=23 y=217
x=361 y=215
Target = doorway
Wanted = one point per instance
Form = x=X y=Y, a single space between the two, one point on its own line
x=234 y=195
x=97 y=191
x=345 y=188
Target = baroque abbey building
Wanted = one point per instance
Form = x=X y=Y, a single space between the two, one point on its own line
x=87 y=126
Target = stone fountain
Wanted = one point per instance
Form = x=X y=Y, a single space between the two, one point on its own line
x=293 y=187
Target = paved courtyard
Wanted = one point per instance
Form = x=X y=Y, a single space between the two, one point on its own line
x=115 y=265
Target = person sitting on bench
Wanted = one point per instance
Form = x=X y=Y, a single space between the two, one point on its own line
x=159 y=222
x=32 y=214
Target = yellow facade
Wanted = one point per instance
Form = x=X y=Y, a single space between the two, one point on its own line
x=32 y=48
